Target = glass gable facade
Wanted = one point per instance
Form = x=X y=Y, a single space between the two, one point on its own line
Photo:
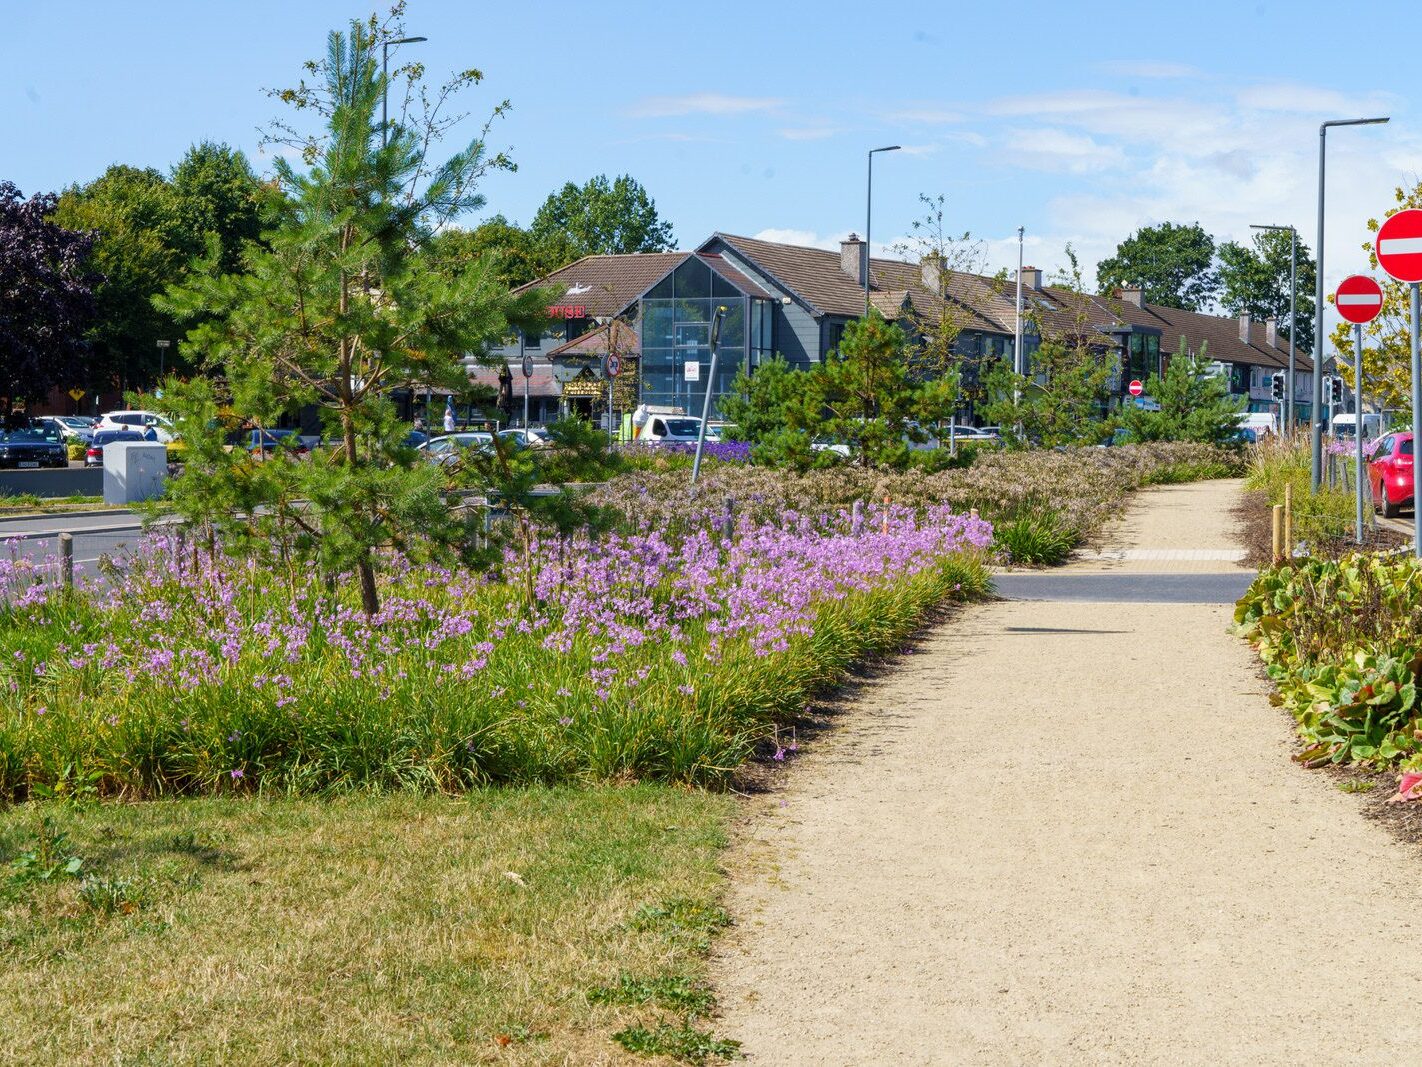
x=676 y=337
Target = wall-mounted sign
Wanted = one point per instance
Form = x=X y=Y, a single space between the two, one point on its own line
x=692 y=370
x=568 y=311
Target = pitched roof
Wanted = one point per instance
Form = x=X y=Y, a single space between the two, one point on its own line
x=594 y=342
x=607 y=285
x=541 y=384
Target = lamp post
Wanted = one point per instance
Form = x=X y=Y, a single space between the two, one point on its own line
x=1293 y=315
x=1316 y=468
x=710 y=384
x=162 y=357
x=385 y=80
x=868 y=215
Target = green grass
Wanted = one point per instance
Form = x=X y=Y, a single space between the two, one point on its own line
x=31 y=502
x=364 y=929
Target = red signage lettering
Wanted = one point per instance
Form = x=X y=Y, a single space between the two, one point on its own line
x=568 y=311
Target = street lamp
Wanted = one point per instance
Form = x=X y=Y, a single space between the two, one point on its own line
x=1316 y=469
x=868 y=214
x=385 y=79
x=1293 y=316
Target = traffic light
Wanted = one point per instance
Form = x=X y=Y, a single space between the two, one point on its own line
x=1335 y=390
x=1276 y=386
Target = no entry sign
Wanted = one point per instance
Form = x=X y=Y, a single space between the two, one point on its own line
x=1136 y=387
x=1399 y=245
x=1359 y=299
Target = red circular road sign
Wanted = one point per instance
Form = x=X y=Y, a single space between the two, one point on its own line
x=1136 y=387
x=1399 y=245
x=1359 y=298
x=614 y=365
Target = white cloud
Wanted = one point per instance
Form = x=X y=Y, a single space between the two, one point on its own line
x=919 y=149
x=1308 y=99
x=807 y=238
x=1148 y=68
x=1058 y=150
x=655 y=107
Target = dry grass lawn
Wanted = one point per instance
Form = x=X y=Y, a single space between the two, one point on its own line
x=353 y=930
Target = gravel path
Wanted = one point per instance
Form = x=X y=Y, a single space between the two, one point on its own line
x=1069 y=832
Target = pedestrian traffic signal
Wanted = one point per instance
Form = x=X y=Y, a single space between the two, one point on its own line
x=1276 y=386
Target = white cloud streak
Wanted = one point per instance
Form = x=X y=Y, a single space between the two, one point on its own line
x=657 y=107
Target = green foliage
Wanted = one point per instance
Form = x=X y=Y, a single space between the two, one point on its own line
x=1256 y=280
x=1195 y=404
x=341 y=302
x=216 y=196
x=1035 y=536
x=1321 y=519
x=603 y=217
x=684 y=1043
x=1172 y=263
x=1340 y=639
x=48 y=859
x=1062 y=401
x=678 y=992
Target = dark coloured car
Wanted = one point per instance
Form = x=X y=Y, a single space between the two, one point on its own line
x=268 y=441
x=94 y=454
x=35 y=445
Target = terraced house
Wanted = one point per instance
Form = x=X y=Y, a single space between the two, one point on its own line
x=655 y=310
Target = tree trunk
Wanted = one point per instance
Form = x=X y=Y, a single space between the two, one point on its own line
x=365 y=570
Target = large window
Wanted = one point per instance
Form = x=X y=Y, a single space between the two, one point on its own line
x=676 y=337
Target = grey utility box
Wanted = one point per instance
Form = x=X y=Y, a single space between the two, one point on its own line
x=134 y=470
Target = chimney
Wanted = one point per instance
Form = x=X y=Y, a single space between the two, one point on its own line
x=1131 y=294
x=1271 y=331
x=1244 y=328
x=853 y=259
x=932 y=274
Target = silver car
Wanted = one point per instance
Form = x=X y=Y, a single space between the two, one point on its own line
x=447 y=449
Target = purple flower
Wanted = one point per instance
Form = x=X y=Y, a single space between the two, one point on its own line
x=566 y=720
x=237 y=773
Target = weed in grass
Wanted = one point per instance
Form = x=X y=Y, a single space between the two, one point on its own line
x=518 y=1035
x=112 y=896
x=689 y=922
x=1357 y=785
x=48 y=859
x=676 y=992
x=684 y=1043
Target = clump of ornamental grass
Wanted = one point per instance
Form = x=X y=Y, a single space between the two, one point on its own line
x=639 y=656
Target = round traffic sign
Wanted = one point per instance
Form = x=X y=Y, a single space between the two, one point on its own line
x=1136 y=387
x=1399 y=245
x=1359 y=299
x=527 y=366
x=614 y=364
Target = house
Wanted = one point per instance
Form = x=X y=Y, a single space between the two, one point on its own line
x=795 y=302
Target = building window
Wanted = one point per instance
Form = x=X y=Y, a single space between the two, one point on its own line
x=533 y=340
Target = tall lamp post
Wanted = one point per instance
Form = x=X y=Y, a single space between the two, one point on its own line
x=868 y=215
x=162 y=358
x=1293 y=315
x=385 y=47
x=1316 y=469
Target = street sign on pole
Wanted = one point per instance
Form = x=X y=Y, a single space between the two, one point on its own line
x=1399 y=250
x=1359 y=299
x=527 y=365
x=614 y=364
x=1136 y=388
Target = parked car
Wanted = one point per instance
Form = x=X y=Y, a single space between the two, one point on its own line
x=94 y=454
x=265 y=442
x=36 y=444
x=416 y=438
x=446 y=449
x=71 y=427
x=137 y=421
x=682 y=428
x=533 y=437
x=974 y=434
x=1391 y=474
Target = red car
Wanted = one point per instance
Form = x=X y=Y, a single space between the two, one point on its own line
x=1390 y=473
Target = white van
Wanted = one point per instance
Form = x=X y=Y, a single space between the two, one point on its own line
x=1344 y=425
x=1261 y=422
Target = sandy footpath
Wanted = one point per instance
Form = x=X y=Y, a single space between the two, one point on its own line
x=1070 y=833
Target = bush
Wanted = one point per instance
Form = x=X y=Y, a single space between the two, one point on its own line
x=1342 y=640
x=1035 y=536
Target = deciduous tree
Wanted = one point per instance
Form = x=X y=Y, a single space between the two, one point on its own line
x=1172 y=263
x=603 y=217
x=46 y=296
x=1255 y=279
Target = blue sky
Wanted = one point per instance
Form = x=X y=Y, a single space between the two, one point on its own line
x=1079 y=121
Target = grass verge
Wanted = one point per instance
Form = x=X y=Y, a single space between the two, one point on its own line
x=503 y=926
